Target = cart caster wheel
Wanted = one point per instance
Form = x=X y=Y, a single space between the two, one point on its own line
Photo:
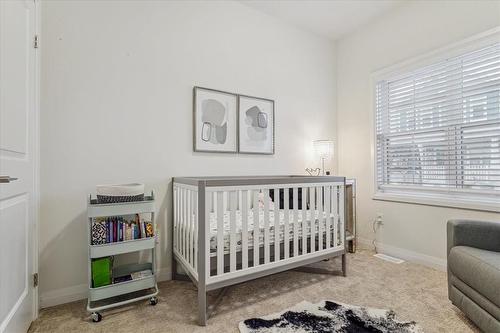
x=153 y=300
x=96 y=317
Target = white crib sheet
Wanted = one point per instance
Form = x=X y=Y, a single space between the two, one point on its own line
x=250 y=227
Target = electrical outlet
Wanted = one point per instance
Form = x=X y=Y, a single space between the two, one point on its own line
x=380 y=218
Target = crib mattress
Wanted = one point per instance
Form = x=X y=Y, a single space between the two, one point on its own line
x=261 y=230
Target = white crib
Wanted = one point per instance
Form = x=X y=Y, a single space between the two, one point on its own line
x=228 y=230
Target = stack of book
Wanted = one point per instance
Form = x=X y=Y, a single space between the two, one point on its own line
x=133 y=276
x=120 y=228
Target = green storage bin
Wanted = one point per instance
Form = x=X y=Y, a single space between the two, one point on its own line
x=101 y=272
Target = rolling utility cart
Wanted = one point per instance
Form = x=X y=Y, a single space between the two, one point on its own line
x=115 y=294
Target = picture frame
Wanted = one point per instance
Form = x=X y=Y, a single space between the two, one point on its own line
x=215 y=121
x=256 y=125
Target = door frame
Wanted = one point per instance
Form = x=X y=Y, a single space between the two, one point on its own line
x=36 y=155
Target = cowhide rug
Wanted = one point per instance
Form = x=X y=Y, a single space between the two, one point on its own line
x=328 y=316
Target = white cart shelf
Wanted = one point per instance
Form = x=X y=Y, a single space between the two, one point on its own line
x=109 y=294
x=111 y=249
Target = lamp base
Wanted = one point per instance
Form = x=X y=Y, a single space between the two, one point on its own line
x=313 y=172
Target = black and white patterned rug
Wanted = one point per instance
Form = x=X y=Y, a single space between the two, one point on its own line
x=328 y=316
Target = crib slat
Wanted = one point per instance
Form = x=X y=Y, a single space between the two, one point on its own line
x=179 y=225
x=304 y=219
x=188 y=227
x=341 y=214
x=286 y=222
x=256 y=227
x=192 y=218
x=176 y=214
x=180 y=217
x=232 y=237
x=312 y=219
x=276 y=224
x=244 y=229
x=225 y=200
x=184 y=218
x=335 y=215
x=328 y=210
x=195 y=232
x=295 y=222
x=220 y=233
x=183 y=222
x=191 y=227
x=266 y=227
x=188 y=220
x=239 y=201
x=209 y=201
x=214 y=202
x=320 y=217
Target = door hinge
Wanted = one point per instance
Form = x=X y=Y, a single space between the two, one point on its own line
x=35 y=42
x=35 y=280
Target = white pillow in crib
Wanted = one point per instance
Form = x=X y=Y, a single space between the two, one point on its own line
x=261 y=201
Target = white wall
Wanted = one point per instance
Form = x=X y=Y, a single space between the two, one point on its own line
x=117 y=80
x=408 y=31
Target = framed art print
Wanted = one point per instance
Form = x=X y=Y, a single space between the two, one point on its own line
x=215 y=121
x=256 y=125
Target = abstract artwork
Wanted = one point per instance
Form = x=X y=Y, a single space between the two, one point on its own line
x=256 y=125
x=215 y=121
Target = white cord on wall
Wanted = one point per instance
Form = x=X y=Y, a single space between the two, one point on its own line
x=375 y=227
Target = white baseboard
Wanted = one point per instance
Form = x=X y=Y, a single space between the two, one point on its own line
x=79 y=292
x=423 y=259
x=63 y=295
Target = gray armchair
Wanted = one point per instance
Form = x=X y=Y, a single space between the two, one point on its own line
x=474 y=271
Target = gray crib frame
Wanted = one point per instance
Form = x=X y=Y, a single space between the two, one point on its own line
x=202 y=183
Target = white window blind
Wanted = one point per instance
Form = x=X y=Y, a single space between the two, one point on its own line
x=438 y=127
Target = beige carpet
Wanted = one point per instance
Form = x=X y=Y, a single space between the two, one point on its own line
x=413 y=291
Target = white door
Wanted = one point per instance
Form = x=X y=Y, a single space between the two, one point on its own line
x=18 y=159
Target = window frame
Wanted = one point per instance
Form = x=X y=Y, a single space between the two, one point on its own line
x=471 y=199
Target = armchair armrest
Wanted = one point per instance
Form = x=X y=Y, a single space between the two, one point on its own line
x=479 y=234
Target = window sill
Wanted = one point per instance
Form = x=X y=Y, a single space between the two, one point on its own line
x=487 y=204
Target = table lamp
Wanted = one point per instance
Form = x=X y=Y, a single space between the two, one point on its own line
x=324 y=149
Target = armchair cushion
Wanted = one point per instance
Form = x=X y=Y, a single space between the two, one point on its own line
x=478 y=268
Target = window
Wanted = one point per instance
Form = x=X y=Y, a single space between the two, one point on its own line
x=438 y=128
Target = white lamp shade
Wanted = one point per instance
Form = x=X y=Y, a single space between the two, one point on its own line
x=323 y=148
